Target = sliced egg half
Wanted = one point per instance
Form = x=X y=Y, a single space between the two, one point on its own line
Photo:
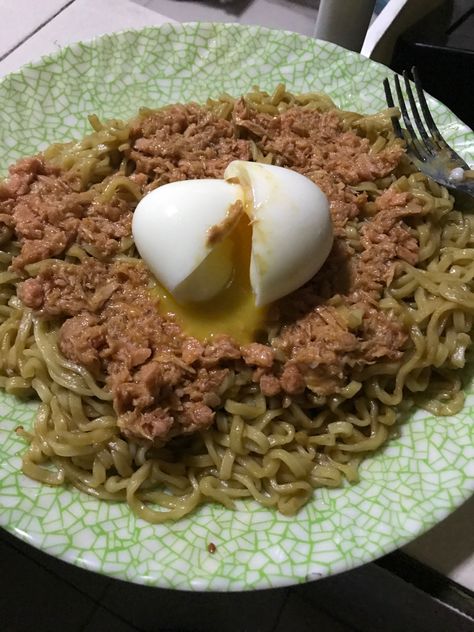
x=223 y=250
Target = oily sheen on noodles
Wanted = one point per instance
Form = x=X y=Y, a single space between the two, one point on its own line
x=269 y=440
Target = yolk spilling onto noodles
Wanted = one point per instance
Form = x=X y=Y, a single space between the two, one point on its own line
x=233 y=310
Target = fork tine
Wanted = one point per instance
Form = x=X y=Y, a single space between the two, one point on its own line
x=415 y=143
x=424 y=106
x=416 y=115
x=434 y=131
x=389 y=98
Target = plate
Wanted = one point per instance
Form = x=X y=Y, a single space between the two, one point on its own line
x=412 y=484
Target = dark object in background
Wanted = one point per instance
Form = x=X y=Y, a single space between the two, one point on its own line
x=441 y=46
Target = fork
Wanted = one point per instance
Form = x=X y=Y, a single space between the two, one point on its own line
x=429 y=151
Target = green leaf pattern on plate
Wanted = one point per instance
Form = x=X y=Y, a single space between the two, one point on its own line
x=412 y=484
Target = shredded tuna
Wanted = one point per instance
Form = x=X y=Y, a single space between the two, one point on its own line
x=256 y=354
x=69 y=289
x=104 y=225
x=49 y=212
x=292 y=380
x=269 y=385
x=165 y=383
x=81 y=338
x=114 y=327
x=185 y=142
x=316 y=145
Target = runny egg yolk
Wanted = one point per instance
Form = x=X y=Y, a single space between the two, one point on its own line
x=220 y=249
x=232 y=311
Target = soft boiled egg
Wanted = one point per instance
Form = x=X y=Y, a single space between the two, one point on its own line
x=223 y=250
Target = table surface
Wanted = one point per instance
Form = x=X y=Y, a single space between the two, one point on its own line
x=30 y=29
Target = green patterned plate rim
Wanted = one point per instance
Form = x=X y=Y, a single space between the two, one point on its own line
x=423 y=474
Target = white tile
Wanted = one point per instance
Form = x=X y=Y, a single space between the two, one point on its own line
x=81 y=20
x=19 y=18
x=291 y=15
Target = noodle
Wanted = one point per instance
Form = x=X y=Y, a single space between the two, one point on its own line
x=275 y=449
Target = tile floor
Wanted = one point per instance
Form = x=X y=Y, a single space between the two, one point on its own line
x=293 y=15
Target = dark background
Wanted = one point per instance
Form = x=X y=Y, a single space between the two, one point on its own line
x=41 y=594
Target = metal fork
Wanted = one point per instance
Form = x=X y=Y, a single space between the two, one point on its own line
x=429 y=151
